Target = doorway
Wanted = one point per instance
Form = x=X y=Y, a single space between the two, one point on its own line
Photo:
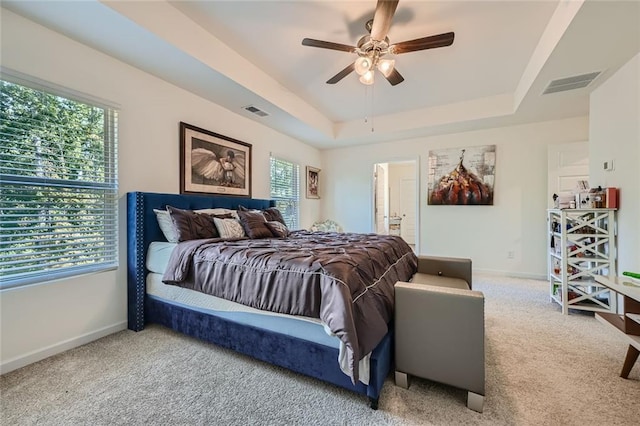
x=396 y=200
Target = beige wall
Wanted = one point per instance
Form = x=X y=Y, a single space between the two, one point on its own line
x=40 y=320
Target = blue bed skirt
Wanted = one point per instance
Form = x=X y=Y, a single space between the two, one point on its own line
x=302 y=356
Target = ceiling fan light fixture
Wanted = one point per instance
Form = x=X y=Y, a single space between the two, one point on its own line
x=371 y=47
x=363 y=65
x=385 y=66
x=367 y=78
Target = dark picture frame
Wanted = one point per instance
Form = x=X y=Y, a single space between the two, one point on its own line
x=313 y=182
x=211 y=163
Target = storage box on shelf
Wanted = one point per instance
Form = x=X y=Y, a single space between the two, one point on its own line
x=582 y=245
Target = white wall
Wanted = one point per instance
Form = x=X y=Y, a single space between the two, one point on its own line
x=517 y=220
x=40 y=320
x=614 y=130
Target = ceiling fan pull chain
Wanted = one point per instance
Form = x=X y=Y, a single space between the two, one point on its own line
x=372 y=108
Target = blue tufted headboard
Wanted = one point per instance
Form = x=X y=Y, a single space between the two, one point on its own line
x=142 y=229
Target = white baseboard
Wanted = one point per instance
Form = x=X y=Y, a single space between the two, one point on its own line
x=528 y=275
x=40 y=354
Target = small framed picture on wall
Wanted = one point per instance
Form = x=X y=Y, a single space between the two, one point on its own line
x=313 y=181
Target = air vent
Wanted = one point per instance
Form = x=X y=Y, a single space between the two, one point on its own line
x=570 y=83
x=256 y=111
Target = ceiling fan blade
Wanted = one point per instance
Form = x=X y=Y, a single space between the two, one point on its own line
x=431 y=42
x=382 y=18
x=394 y=78
x=328 y=45
x=342 y=74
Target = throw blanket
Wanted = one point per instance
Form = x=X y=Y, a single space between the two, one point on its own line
x=344 y=279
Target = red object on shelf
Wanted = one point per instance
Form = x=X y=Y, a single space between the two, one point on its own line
x=612 y=198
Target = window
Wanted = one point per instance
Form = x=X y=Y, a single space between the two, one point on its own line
x=285 y=189
x=58 y=184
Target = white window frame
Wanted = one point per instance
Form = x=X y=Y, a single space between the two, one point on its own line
x=289 y=205
x=95 y=239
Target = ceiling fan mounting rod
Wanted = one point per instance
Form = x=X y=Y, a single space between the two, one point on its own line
x=371 y=48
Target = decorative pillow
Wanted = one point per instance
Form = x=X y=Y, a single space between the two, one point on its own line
x=273 y=214
x=190 y=225
x=254 y=224
x=278 y=229
x=219 y=212
x=270 y=214
x=224 y=216
x=326 y=226
x=229 y=228
x=166 y=225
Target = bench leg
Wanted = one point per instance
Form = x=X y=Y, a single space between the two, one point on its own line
x=632 y=357
x=373 y=403
x=402 y=380
x=475 y=402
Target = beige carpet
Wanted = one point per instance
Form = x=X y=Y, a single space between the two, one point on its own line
x=543 y=368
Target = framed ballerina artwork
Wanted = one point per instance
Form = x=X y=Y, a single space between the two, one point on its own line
x=211 y=163
x=313 y=181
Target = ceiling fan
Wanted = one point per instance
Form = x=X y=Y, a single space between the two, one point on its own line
x=373 y=47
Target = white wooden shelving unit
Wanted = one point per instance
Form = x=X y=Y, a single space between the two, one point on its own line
x=582 y=245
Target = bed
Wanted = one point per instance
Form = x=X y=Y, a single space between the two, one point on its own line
x=298 y=344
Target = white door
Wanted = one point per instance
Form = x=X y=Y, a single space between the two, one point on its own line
x=568 y=163
x=408 y=210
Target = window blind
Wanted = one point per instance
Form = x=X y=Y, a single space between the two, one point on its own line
x=58 y=186
x=285 y=190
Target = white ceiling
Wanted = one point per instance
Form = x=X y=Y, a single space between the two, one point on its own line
x=239 y=53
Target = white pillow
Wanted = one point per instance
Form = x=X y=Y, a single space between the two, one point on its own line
x=166 y=225
x=158 y=256
x=229 y=228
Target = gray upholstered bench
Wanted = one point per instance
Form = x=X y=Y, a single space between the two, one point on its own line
x=439 y=327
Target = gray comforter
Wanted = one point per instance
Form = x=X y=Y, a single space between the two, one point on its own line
x=344 y=279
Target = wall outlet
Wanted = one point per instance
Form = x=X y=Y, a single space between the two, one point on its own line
x=511 y=254
x=608 y=165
